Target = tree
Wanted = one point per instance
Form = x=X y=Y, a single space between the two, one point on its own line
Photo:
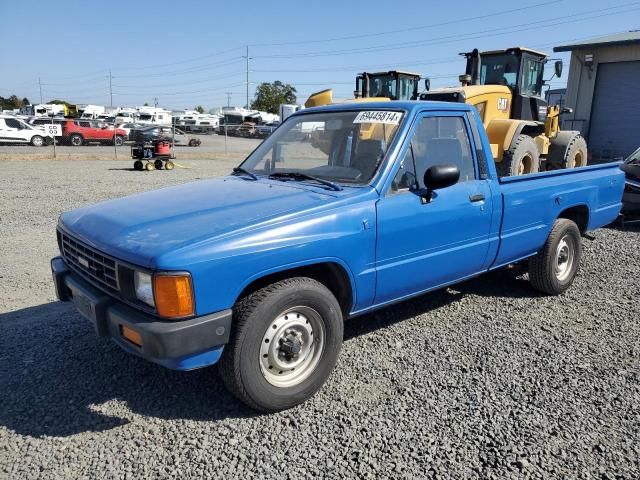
x=58 y=102
x=25 y=102
x=269 y=96
x=199 y=109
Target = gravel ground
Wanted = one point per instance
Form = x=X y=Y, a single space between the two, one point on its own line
x=487 y=379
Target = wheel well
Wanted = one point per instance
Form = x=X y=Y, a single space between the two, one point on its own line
x=331 y=275
x=579 y=215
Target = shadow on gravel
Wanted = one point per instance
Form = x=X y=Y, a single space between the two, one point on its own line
x=58 y=379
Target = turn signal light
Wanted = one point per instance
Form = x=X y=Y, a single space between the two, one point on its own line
x=173 y=295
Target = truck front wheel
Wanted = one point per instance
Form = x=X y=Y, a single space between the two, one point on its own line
x=284 y=345
x=553 y=269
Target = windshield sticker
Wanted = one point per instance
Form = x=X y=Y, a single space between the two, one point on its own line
x=379 y=116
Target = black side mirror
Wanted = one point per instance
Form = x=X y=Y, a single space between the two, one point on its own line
x=558 y=68
x=427 y=84
x=439 y=176
x=566 y=110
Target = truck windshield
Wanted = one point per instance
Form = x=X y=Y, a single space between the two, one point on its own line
x=343 y=147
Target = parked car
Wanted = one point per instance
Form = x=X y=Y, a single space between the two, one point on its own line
x=148 y=133
x=39 y=122
x=127 y=127
x=258 y=270
x=631 y=196
x=263 y=131
x=14 y=130
x=79 y=132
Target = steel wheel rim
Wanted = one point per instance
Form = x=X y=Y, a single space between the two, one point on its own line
x=565 y=256
x=38 y=141
x=297 y=327
x=76 y=141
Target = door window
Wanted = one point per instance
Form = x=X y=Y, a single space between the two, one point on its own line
x=13 y=123
x=531 y=77
x=442 y=141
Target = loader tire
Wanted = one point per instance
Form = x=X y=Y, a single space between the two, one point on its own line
x=522 y=158
x=567 y=150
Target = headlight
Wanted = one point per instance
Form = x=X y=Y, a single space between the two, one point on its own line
x=144 y=288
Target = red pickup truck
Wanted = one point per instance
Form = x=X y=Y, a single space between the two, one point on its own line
x=80 y=132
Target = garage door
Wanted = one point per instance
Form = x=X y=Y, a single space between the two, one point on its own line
x=615 y=113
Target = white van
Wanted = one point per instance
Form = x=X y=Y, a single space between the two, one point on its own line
x=14 y=130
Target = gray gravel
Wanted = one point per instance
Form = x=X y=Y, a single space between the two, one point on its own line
x=484 y=380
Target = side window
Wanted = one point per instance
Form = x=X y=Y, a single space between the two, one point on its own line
x=440 y=141
x=12 y=123
x=531 y=77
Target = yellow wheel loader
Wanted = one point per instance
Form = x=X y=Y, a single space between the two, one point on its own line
x=506 y=88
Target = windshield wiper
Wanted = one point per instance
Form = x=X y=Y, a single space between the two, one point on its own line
x=244 y=171
x=304 y=176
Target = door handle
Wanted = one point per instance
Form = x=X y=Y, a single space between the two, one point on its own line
x=476 y=197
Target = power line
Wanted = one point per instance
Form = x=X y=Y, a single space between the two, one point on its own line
x=545 y=23
x=410 y=29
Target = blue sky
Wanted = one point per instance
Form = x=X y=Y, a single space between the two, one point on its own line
x=190 y=52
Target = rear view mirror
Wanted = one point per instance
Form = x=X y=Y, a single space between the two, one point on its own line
x=427 y=84
x=439 y=176
x=558 y=68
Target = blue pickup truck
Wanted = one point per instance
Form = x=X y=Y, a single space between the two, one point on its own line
x=342 y=210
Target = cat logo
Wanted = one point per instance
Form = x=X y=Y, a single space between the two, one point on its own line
x=503 y=104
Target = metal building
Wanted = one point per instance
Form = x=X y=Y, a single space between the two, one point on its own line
x=602 y=90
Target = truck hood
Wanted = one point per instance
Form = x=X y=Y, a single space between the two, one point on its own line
x=140 y=228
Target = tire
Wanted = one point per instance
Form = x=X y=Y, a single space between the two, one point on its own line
x=193 y=142
x=37 y=141
x=76 y=140
x=169 y=165
x=149 y=166
x=522 y=158
x=138 y=165
x=567 y=150
x=553 y=269
x=118 y=140
x=259 y=337
x=158 y=164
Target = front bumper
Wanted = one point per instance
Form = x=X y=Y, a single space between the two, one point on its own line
x=179 y=345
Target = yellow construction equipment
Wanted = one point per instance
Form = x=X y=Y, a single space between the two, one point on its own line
x=505 y=86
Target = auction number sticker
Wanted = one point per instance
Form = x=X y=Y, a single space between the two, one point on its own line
x=378 y=116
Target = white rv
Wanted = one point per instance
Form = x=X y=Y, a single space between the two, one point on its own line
x=91 y=112
x=192 y=121
x=153 y=116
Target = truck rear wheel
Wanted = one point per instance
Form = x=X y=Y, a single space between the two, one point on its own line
x=553 y=269
x=522 y=158
x=284 y=345
x=567 y=150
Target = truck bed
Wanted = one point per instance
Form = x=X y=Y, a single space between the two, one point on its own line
x=531 y=204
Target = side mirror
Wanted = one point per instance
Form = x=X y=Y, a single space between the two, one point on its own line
x=566 y=110
x=427 y=84
x=558 y=68
x=439 y=176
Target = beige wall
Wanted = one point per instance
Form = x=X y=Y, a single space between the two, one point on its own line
x=582 y=80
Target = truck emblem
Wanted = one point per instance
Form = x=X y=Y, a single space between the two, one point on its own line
x=83 y=261
x=503 y=104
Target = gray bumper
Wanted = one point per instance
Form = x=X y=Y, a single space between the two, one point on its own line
x=180 y=344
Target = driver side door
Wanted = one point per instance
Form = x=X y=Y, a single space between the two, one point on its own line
x=421 y=246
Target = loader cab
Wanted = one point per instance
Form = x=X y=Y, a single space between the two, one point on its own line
x=521 y=70
x=394 y=85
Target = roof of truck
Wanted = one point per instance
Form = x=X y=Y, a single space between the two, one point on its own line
x=409 y=106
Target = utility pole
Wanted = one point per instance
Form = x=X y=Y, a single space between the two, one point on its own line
x=155 y=102
x=248 y=58
x=228 y=98
x=40 y=85
x=110 y=89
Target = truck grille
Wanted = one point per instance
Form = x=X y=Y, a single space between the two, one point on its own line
x=96 y=267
